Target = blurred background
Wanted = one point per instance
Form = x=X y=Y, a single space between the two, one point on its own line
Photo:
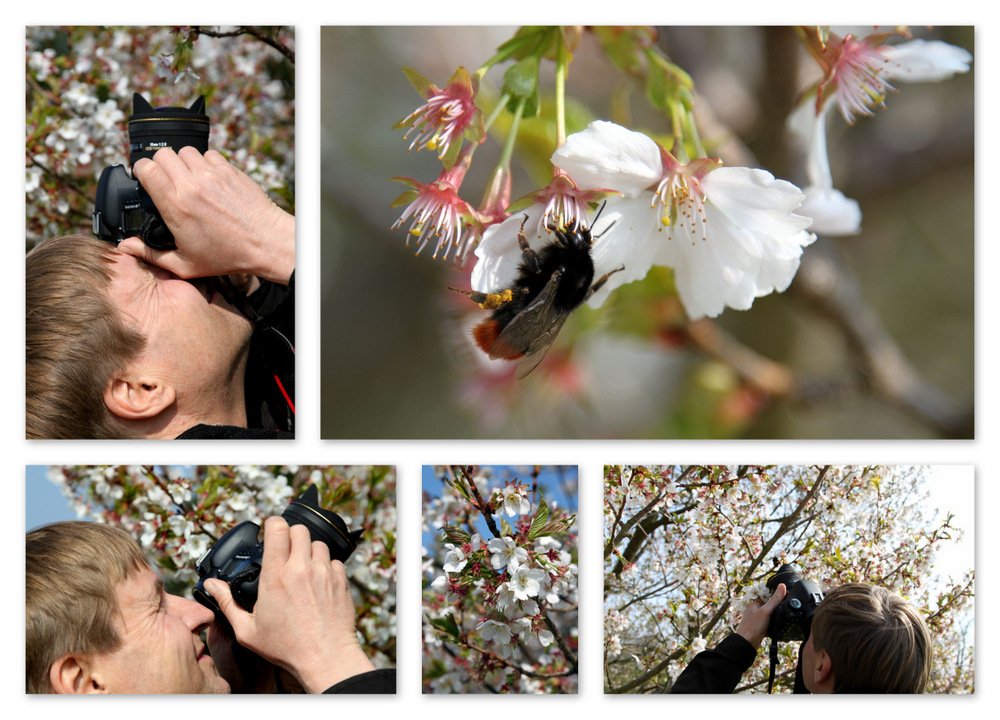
x=874 y=339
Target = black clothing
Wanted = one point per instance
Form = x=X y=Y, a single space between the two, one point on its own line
x=718 y=670
x=269 y=386
x=373 y=682
x=232 y=432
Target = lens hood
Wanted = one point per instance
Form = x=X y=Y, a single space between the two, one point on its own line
x=785 y=574
x=150 y=129
x=324 y=525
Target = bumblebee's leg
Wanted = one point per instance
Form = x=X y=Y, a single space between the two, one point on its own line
x=600 y=282
x=487 y=301
x=529 y=255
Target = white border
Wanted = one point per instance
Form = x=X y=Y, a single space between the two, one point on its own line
x=408 y=456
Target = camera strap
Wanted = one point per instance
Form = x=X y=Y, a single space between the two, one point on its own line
x=774 y=665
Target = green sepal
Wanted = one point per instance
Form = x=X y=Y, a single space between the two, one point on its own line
x=455 y=535
x=447 y=625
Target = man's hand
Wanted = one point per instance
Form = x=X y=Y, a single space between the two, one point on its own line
x=756 y=617
x=245 y=671
x=303 y=620
x=222 y=222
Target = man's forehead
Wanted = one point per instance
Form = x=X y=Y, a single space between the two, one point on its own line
x=124 y=266
x=143 y=585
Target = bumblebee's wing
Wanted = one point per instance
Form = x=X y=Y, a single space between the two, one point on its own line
x=533 y=330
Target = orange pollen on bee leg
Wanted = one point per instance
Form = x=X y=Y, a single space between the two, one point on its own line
x=495 y=300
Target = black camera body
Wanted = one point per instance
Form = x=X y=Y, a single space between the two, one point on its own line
x=122 y=208
x=792 y=619
x=237 y=556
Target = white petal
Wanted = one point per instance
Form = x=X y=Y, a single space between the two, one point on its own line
x=625 y=236
x=809 y=130
x=606 y=155
x=499 y=252
x=926 y=60
x=831 y=211
x=750 y=246
x=753 y=199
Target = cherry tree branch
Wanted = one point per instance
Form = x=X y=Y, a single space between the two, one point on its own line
x=259 y=33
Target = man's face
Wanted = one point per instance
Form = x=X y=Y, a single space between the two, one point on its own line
x=162 y=651
x=193 y=331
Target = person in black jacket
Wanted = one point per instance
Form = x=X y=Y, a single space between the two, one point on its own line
x=719 y=670
x=864 y=639
x=191 y=342
x=98 y=620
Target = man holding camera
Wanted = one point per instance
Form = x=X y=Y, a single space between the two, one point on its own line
x=863 y=639
x=127 y=342
x=99 y=621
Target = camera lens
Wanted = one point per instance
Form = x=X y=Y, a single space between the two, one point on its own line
x=785 y=574
x=150 y=129
x=324 y=526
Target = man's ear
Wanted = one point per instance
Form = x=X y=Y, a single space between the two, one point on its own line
x=141 y=399
x=823 y=671
x=72 y=674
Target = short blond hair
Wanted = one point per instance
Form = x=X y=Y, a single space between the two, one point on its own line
x=72 y=572
x=75 y=340
x=877 y=641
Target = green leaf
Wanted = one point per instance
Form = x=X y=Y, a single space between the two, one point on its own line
x=461 y=488
x=541 y=518
x=556 y=527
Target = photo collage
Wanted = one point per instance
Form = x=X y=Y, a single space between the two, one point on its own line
x=690 y=310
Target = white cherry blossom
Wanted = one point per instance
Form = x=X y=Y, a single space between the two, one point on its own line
x=514 y=501
x=505 y=553
x=729 y=234
x=526 y=582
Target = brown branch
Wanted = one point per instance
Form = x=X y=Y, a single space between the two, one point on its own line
x=612 y=542
x=261 y=35
x=764 y=374
x=561 y=642
x=530 y=673
x=481 y=505
x=828 y=287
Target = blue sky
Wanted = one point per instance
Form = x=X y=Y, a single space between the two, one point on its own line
x=43 y=503
x=558 y=484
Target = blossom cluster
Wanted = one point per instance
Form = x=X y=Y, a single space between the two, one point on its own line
x=698 y=543
x=692 y=216
x=498 y=611
x=80 y=83
x=177 y=513
x=729 y=234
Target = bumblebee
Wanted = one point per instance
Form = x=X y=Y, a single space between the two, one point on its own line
x=550 y=284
